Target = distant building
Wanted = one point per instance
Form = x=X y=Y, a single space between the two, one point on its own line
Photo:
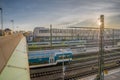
x=8 y=31
x=43 y=34
x=21 y=31
x=1 y=32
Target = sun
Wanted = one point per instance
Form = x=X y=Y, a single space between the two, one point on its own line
x=99 y=23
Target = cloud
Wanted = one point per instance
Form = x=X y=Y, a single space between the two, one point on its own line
x=87 y=23
x=62 y=12
x=114 y=21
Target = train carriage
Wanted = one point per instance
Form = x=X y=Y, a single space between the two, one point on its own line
x=58 y=43
x=48 y=57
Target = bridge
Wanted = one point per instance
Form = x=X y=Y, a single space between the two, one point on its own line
x=13 y=58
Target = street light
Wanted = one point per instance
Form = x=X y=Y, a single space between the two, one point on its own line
x=1 y=18
x=12 y=21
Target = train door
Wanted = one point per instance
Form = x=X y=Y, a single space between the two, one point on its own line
x=51 y=58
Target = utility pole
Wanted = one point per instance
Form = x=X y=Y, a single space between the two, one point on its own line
x=113 y=37
x=51 y=36
x=101 y=46
x=63 y=65
x=72 y=35
x=100 y=75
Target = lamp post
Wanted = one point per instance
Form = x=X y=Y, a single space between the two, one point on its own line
x=1 y=18
x=12 y=21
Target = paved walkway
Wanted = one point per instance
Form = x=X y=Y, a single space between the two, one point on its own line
x=112 y=75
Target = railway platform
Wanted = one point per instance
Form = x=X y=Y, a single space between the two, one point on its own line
x=112 y=75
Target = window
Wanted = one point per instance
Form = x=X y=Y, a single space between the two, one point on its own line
x=60 y=57
x=43 y=31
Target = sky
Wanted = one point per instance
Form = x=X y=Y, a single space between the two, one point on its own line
x=28 y=14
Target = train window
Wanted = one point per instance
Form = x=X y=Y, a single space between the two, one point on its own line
x=60 y=57
x=40 y=57
x=43 y=31
x=51 y=60
x=46 y=62
x=33 y=57
x=67 y=56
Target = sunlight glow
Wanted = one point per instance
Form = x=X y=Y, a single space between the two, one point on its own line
x=99 y=23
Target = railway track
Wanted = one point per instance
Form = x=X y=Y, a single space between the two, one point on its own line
x=80 y=62
x=72 y=74
x=69 y=70
x=86 y=73
x=96 y=57
x=77 y=69
x=93 y=56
